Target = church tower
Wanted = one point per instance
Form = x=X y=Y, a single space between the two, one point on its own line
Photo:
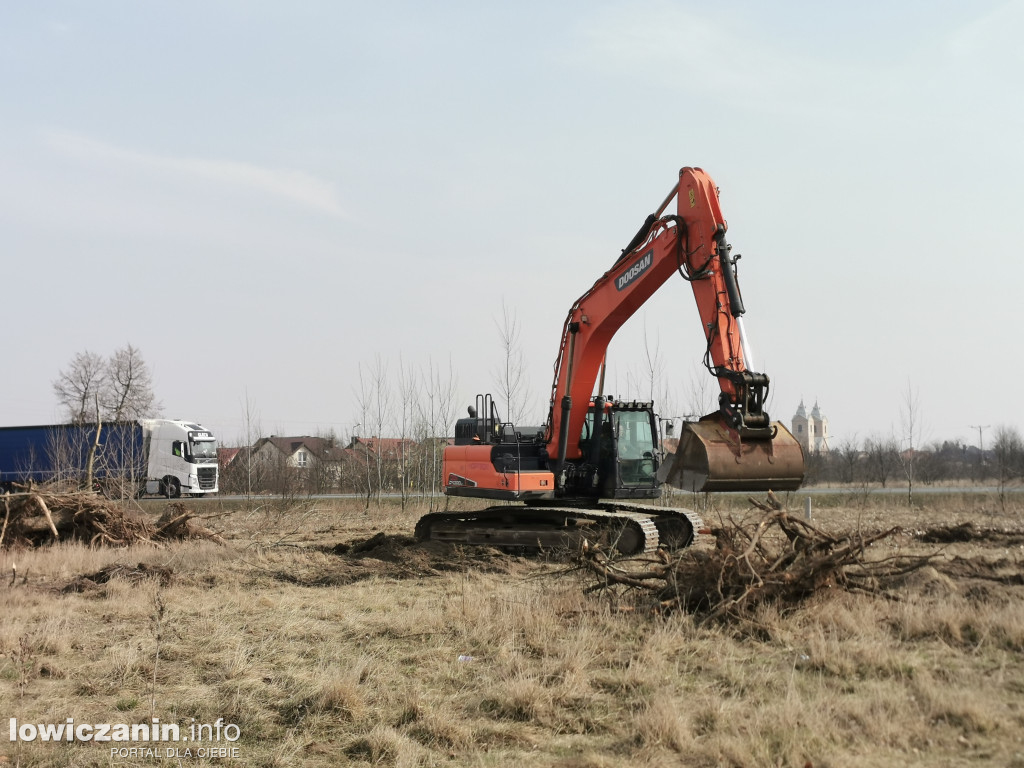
x=820 y=430
x=803 y=428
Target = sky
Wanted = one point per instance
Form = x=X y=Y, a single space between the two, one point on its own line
x=270 y=199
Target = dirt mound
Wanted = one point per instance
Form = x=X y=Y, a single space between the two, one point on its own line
x=969 y=532
x=381 y=546
x=1001 y=570
x=928 y=580
x=948 y=534
x=396 y=556
x=419 y=558
x=406 y=557
x=131 y=573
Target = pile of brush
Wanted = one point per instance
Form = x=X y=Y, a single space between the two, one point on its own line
x=39 y=517
x=771 y=557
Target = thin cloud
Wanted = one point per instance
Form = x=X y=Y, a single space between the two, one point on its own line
x=990 y=41
x=296 y=186
x=688 y=52
x=677 y=49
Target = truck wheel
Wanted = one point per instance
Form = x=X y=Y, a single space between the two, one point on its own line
x=172 y=488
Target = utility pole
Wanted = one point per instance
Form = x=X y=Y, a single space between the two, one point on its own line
x=981 y=443
x=981 y=438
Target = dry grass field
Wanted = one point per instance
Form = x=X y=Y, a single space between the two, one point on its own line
x=324 y=653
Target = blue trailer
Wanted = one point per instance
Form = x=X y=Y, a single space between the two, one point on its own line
x=145 y=456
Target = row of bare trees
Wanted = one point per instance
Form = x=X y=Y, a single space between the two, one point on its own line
x=365 y=467
x=410 y=466
x=416 y=409
x=404 y=414
x=887 y=461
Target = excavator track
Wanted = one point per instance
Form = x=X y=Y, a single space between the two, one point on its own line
x=677 y=527
x=628 y=528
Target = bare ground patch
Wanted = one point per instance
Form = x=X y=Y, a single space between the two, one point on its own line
x=395 y=556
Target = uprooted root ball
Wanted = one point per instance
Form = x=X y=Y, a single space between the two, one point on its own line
x=777 y=559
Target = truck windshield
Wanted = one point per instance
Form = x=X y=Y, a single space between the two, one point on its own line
x=204 y=449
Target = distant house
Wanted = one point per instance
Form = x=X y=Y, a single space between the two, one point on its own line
x=391 y=459
x=227 y=456
x=305 y=464
x=297 y=452
x=291 y=464
x=387 y=448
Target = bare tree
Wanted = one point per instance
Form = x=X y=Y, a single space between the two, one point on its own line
x=437 y=413
x=910 y=438
x=253 y=432
x=374 y=402
x=323 y=475
x=404 y=421
x=848 y=454
x=701 y=399
x=654 y=364
x=128 y=393
x=364 y=401
x=1008 y=455
x=881 y=458
x=90 y=461
x=119 y=387
x=510 y=379
x=67 y=449
x=79 y=386
x=933 y=463
x=357 y=456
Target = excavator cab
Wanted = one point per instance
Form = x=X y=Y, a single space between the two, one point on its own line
x=635 y=450
x=619 y=453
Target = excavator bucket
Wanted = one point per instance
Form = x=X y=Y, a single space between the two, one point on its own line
x=712 y=457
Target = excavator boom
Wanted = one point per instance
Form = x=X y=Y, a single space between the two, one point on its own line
x=738 y=447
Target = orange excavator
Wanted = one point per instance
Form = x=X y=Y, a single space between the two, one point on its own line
x=584 y=475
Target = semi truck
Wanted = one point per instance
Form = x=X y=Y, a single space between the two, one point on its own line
x=147 y=456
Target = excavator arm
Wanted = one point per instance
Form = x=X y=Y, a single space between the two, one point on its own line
x=584 y=489
x=736 y=448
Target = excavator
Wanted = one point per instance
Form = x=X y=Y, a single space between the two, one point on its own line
x=584 y=476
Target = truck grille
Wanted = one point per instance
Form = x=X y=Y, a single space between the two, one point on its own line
x=207 y=478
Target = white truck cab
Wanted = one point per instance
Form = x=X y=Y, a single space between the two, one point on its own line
x=182 y=458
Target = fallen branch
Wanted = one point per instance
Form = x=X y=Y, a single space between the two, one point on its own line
x=46 y=513
x=7 y=518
